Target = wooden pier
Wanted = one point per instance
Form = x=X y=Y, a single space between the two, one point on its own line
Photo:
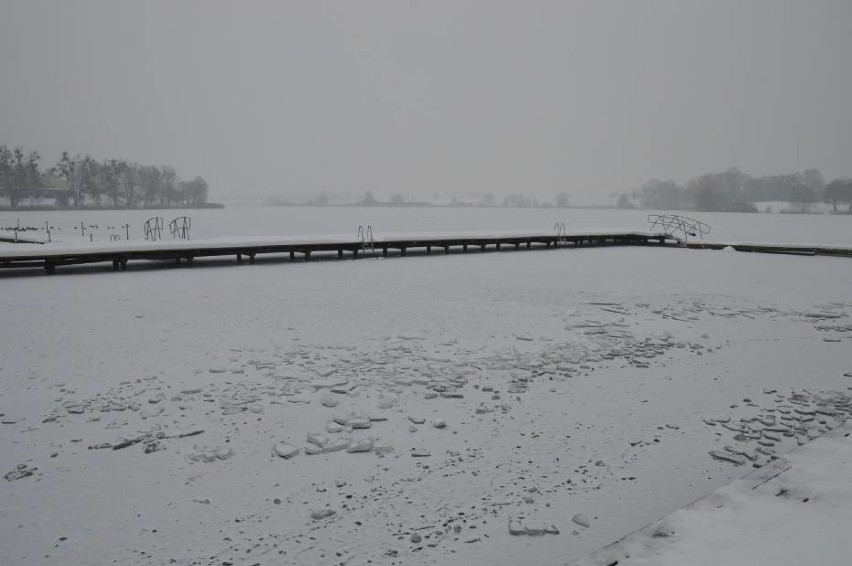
x=785 y=249
x=119 y=254
x=171 y=252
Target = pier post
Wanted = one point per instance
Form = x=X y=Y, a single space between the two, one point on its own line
x=292 y=255
x=498 y=246
x=307 y=255
x=385 y=251
x=251 y=259
x=517 y=246
x=482 y=248
x=115 y=265
x=340 y=252
x=428 y=249
x=464 y=247
x=528 y=244
x=239 y=258
x=402 y=250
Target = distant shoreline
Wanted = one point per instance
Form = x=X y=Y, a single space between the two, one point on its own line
x=54 y=208
x=421 y=205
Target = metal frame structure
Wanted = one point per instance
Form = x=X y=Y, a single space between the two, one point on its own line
x=154 y=228
x=671 y=224
x=561 y=234
x=179 y=227
x=366 y=238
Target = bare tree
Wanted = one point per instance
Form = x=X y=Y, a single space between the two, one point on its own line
x=150 y=180
x=19 y=173
x=839 y=191
x=194 y=192
x=5 y=169
x=88 y=180
x=167 y=186
x=110 y=173
x=128 y=179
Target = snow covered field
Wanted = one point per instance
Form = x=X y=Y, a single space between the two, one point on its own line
x=284 y=221
x=438 y=404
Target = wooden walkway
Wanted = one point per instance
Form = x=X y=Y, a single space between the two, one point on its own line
x=119 y=254
x=786 y=249
x=165 y=252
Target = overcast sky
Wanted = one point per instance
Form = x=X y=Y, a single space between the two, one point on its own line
x=288 y=98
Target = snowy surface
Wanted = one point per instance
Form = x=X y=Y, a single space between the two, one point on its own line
x=284 y=221
x=145 y=413
x=797 y=512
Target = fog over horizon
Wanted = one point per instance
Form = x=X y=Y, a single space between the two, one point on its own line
x=282 y=99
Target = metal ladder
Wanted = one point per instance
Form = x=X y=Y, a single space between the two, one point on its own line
x=366 y=238
x=561 y=234
x=154 y=228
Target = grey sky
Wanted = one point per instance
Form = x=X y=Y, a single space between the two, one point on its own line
x=435 y=96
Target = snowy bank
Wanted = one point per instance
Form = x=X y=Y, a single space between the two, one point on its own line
x=796 y=511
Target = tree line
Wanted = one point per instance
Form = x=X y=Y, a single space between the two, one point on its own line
x=488 y=199
x=80 y=181
x=735 y=191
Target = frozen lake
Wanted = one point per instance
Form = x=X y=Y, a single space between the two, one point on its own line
x=427 y=405
x=298 y=221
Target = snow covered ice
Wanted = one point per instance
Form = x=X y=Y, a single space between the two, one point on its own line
x=796 y=512
x=404 y=410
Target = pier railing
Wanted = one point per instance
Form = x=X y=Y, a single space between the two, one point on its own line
x=153 y=228
x=561 y=234
x=365 y=236
x=673 y=224
x=179 y=227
